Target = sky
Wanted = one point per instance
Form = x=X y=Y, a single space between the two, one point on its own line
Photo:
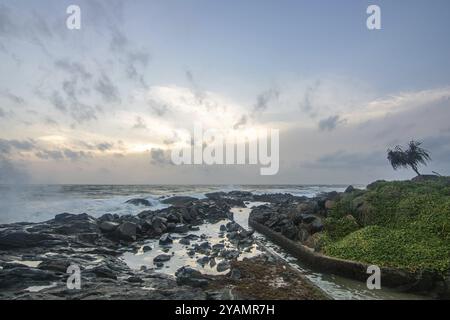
x=107 y=103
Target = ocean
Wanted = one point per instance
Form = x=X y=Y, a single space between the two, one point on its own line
x=36 y=203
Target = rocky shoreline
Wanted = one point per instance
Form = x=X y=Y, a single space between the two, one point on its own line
x=35 y=257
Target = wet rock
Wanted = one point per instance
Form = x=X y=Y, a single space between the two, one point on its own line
x=230 y=254
x=24 y=277
x=289 y=231
x=181 y=228
x=316 y=226
x=108 y=226
x=349 y=189
x=103 y=272
x=134 y=279
x=185 y=241
x=232 y=226
x=235 y=274
x=218 y=246
x=223 y=227
x=139 y=202
x=57 y=265
x=308 y=218
x=190 y=277
x=91 y=238
x=67 y=223
x=223 y=266
x=106 y=217
x=203 y=261
x=127 y=231
x=23 y=239
x=162 y=258
x=165 y=239
x=178 y=200
x=146 y=248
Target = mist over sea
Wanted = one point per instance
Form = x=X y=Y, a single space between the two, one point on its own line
x=35 y=203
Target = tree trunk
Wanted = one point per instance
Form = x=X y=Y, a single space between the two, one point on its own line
x=415 y=170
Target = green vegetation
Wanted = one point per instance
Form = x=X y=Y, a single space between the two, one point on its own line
x=403 y=224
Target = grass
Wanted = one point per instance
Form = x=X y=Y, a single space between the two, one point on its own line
x=402 y=224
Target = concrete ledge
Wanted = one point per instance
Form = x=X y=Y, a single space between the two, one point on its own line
x=390 y=277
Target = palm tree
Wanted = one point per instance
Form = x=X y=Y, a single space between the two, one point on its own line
x=412 y=157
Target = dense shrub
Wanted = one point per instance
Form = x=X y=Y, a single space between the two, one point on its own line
x=403 y=224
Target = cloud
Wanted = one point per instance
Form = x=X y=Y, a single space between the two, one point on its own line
x=107 y=90
x=194 y=86
x=159 y=109
x=241 y=122
x=264 y=99
x=160 y=157
x=349 y=160
x=104 y=146
x=12 y=97
x=306 y=105
x=6 y=146
x=50 y=154
x=140 y=123
x=2 y=113
x=133 y=60
x=57 y=101
x=73 y=68
x=330 y=123
x=76 y=155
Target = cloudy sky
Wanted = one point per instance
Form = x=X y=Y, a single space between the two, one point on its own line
x=105 y=104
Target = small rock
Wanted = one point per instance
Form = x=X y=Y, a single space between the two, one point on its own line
x=134 y=279
x=223 y=266
x=162 y=258
x=165 y=239
x=235 y=274
x=190 y=277
x=146 y=248
x=181 y=228
x=185 y=241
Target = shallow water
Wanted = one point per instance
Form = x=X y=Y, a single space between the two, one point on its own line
x=208 y=232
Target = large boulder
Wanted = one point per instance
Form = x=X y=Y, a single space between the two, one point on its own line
x=68 y=224
x=179 y=200
x=57 y=265
x=139 y=202
x=108 y=226
x=24 y=277
x=24 y=239
x=127 y=231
